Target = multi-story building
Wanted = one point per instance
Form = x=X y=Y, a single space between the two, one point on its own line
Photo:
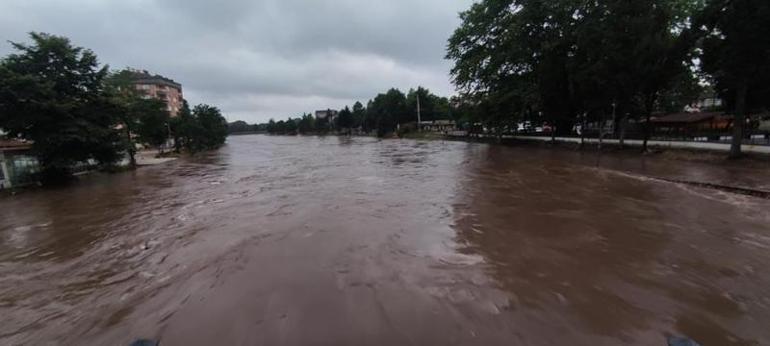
x=161 y=88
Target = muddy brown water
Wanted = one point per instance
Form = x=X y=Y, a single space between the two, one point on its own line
x=305 y=240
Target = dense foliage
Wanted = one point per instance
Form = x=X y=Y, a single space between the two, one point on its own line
x=241 y=126
x=52 y=93
x=382 y=115
x=570 y=61
x=736 y=56
x=203 y=128
x=75 y=112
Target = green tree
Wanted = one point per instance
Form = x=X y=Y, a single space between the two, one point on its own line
x=52 y=93
x=432 y=107
x=145 y=120
x=736 y=55
x=291 y=127
x=359 y=115
x=684 y=90
x=203 y=128
x=505 y=52
x=272 y=127
x=386 y=110
x=630 y=54
x=239 y=126
x=345 y=120
x=568 y=59
x=370 y=118
x=322 y=125
x=182 y=127
x=153 y=121
x=123 y=94
x=213 y=127
x=306 y=124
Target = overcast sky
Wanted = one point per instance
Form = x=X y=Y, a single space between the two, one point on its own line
x=258 y=59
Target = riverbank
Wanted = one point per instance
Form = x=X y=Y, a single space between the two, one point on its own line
x=657 y=144
x=743 y=179
x=675 y=150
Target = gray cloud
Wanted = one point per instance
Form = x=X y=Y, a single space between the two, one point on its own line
x=258 y=59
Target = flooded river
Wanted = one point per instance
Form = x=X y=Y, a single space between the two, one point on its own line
x=304 y=240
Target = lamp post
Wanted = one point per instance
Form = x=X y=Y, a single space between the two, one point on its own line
x=419 y=120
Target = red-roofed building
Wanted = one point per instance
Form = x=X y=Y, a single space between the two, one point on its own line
x=684 y=123
x=159 y=87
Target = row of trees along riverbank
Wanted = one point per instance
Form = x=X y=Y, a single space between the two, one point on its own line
x=382 y=116
x=73 y=110
x=577 y=61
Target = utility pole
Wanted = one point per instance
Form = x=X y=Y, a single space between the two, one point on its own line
x=419 y=125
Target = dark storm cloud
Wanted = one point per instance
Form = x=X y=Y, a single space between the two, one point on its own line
x=258 y=59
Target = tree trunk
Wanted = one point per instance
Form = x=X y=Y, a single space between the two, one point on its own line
x=622 y=135
x=646 y=132
x=131 y=148
x=649 y=102
x=583 y=131
x=553 y=132
x=601 y=132
x=739 y=122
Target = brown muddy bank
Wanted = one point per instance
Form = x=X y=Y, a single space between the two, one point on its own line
x=308 y=240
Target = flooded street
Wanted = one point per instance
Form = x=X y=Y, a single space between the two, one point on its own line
x=307 y=240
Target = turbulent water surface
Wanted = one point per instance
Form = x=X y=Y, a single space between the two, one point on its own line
x=303 y=240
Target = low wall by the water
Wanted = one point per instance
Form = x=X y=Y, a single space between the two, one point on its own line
x=759 y=149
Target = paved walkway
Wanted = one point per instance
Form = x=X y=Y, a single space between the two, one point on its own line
x=761 y=149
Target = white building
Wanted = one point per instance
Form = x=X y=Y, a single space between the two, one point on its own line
x=326 y=114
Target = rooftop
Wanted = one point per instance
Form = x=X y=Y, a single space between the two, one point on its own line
x=686 y=118
x=144 y=77
x=14 y=144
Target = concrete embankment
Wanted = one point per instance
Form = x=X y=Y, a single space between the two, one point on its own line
x=759 y=149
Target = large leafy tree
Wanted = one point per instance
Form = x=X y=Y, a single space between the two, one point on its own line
x=736 y=55
x=630 y=53
x=306 y=124
x=212 y=126
x=143 y=120
x=239 y=126
x=52 y=93
x=386 y=110
x=122 y=96
x=322 y=124
x=199 y=129
x=345 y=120
x=359 y=114
x=432 y=107
x=153 y=121
x=562 y=60
x=511 y=57
x=291 y=127
x=182 y=126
